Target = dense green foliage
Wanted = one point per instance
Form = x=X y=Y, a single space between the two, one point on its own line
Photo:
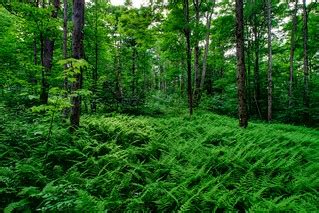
x=165 y=163
x=125 y=77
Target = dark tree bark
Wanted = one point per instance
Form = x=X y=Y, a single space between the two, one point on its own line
x=306 y=100
x=48 y=48
x=270 y=83
x=187 y=33
x=242 y=108
x=292 y=53
x=78 y=53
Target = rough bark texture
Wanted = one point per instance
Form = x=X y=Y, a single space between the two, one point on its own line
x=242 y=108
x=187 y=33
x=292 y=53
x=78 y=53
x=270 y=83
x=48 y=47
x=306 y=100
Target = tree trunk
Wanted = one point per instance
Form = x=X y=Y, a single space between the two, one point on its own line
x=134 y=77
x=208 y=24
x=119 y=92
x=95 y=70
x=249 y=102
x=197 y=4
x=270 y=86
x=47 y=59
x=292 y=53
x=187 y=32
x=65 y=54
x=242 y=108
x=78 y=53
x=305 y=67
x=256 y=66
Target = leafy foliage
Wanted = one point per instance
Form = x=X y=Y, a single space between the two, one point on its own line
x=135 y=163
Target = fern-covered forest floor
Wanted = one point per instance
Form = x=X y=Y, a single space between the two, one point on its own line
x=168 y=163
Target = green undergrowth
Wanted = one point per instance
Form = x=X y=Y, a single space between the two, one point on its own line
x=125 y=163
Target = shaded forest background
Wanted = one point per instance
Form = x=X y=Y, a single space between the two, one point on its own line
x=134 y=58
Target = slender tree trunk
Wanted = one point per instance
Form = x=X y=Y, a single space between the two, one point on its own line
x=48 y=49
x=187 y=32
x=78 y=53
x=208 y=24
x=35 y=51
x=197 y=5
x=134 y=77
x=306 y=100
x=248 y=70
x=182 y=79
x=292 y=53
x=242 y=108
x=270 y=83
x=95 y=70
x=256 y=65
x=65 y=54
x=119 y=92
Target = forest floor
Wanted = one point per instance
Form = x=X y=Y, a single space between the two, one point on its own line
x=168 y=163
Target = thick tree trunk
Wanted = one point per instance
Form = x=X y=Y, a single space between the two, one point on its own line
x=270 y=86
x=47 y=59
x=292 y=53
x=187 y=32
x=78 y=53
x=242 y=108
x=306 y=100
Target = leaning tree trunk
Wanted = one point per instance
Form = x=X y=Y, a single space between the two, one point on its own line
x=187 y=32
x=305 y=67
x=292 y=53
x=270 y=87
x=242 y=108
x=48 y=47
x=78 y=53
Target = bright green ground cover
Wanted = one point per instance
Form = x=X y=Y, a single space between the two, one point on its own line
x=123 y=163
